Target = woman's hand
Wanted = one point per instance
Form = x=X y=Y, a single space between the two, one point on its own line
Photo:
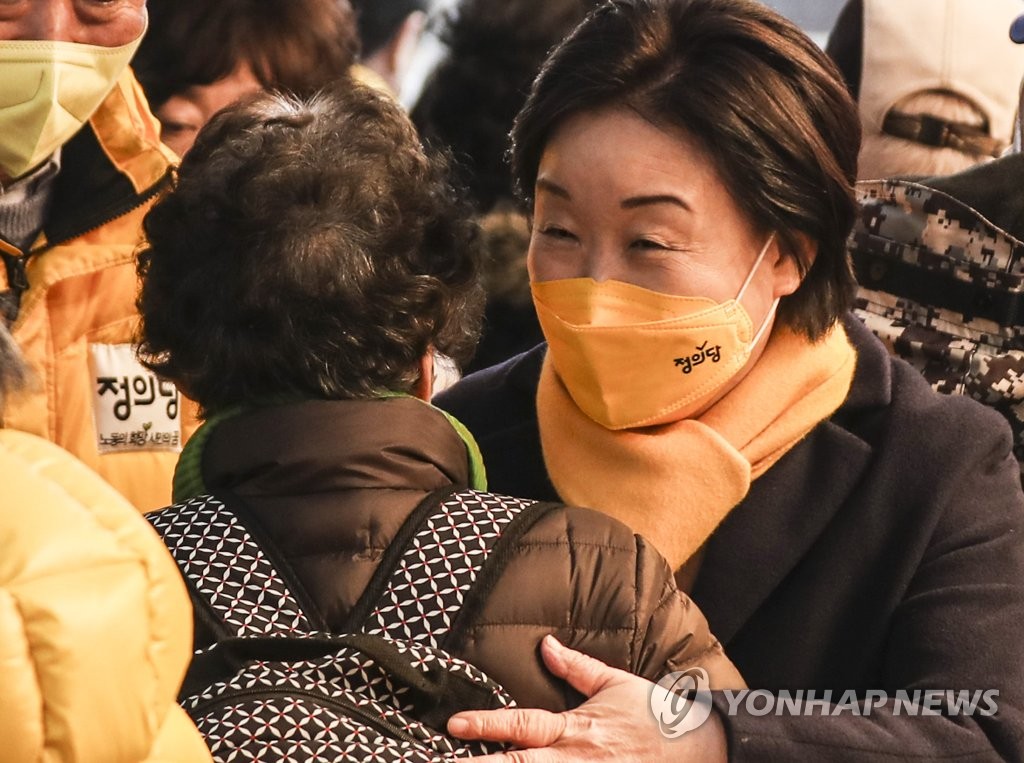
x=615 y=724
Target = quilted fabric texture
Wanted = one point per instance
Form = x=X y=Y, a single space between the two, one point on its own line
x=440 y=565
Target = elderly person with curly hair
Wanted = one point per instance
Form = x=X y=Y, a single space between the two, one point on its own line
x=308 y=265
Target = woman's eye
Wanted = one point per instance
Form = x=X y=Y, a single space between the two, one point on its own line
x=646 y=243
x=168 y=127
x=553 y=231
x=103 y=5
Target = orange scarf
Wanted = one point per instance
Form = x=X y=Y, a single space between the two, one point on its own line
x=675 y=483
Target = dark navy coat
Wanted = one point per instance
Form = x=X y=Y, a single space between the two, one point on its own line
x=885 y=551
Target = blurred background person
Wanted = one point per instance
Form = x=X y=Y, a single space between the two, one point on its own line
x=389 y=31
x=95 y=623
x=938 y=259
x=935 y=81
x=80 y=163
x=493 y=50
x=198 y=56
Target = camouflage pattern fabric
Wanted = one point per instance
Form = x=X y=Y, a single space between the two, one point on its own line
x=943 y=288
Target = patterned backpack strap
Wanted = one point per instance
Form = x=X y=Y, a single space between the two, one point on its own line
x=423 y=582
x=228 y=569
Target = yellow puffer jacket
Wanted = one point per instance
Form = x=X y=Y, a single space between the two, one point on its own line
x=77 y=290
x=95 y=625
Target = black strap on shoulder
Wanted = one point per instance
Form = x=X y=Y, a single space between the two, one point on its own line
x=259 y=534
x=498 y=560
x=439 y=562
x=392 y=555
x=17 y=285
x=218 y=551
x=434 y=564
x=208 y=627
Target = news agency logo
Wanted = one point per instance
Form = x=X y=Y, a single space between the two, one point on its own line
x=916 y=702
x=681 y=702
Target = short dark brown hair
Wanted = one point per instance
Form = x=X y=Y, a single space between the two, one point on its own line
x=310 y=248
x=298 y=46
x=760 y=97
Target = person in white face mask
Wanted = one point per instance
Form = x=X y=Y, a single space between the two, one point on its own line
x=689 y=166
x=80 y=162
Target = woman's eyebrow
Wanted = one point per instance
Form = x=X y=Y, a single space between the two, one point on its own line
x=543 y=184
x=664 y=198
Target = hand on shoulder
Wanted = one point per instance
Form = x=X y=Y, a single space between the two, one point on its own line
x=614 y=724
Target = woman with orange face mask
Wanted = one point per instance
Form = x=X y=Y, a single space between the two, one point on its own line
x=689 y=166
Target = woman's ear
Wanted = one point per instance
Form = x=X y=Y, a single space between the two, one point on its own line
x=424 y=388
x=795 y=256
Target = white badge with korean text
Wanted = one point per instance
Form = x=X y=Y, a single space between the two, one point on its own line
x=134 y=410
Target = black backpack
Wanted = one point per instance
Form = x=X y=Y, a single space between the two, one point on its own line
x=272 y=685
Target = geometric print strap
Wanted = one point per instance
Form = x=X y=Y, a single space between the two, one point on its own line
x=228 y=568
x=428 y=586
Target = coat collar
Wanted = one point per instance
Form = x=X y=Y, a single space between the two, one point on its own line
x=767 y=534
x=320 y=445
x=114 y=165
x=111 y=167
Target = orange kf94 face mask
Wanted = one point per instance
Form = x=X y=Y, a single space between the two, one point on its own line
x=631 y=357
